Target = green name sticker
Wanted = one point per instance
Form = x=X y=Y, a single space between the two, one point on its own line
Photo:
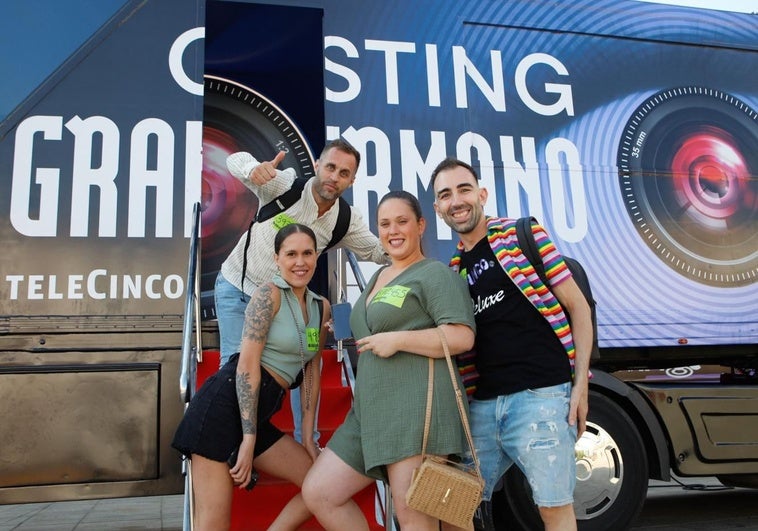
x=394 y=295
x=311 y=338
x=282 y=220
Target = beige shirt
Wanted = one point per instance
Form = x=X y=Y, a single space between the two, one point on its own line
x=260 y=253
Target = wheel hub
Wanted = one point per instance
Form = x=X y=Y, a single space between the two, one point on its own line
x=599 y=472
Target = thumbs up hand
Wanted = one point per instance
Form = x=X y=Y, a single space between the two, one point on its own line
x=266 y=171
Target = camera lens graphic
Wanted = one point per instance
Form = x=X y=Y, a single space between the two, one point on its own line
x=688 y=166
x=237 y=118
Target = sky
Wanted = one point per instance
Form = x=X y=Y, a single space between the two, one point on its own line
x=742 y=6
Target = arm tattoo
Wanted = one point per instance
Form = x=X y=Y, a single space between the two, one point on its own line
x=258 y=315
x=248 y=402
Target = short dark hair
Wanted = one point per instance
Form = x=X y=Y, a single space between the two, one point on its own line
x=288 y=230
x=345 y=146
x=449 y=163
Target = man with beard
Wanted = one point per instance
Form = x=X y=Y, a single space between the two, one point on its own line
x=251 y=262
x=530 y=403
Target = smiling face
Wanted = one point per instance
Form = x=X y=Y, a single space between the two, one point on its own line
x=459 y=201
x=400 y=230
x=296 y=259
x=335 y=173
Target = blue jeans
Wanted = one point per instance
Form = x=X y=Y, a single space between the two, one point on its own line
x=529 y=428
x=230 y=311
x=231 y=303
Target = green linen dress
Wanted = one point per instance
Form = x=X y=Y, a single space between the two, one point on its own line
x=386 y=422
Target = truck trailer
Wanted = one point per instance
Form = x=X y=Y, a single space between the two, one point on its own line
x=628 y=128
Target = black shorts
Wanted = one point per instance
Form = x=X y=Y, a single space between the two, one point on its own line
x=211 y=426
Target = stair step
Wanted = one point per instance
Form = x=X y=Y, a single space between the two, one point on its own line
x=333 y=406
x=248 y=516
x=255 y=510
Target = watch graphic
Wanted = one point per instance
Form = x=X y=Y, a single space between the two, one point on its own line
x=687 y=162
x=237 y=118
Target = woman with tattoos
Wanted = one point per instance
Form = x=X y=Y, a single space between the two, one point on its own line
x=395 y=322
x=226 y=428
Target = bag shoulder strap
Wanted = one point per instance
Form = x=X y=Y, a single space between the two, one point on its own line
x=429 y=398
x=283 y=202
x=458 y=400
x=529 y=246
x=320 y=303
x=343 y=223
x=268 y=211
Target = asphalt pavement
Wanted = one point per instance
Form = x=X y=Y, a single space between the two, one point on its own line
x=681 y=505
x=118 y=514
x=702 y=504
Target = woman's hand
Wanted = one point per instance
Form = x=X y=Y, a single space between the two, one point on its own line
x=384 y=344
x=243 y=468
x=312 y=448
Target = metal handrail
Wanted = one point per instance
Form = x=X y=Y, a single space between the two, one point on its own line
x=188 y=376
x=357 y=273
x=191 y=349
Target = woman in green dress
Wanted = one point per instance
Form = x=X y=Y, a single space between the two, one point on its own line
x=394 y=323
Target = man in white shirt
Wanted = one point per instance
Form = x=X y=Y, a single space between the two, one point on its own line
x=317 y=208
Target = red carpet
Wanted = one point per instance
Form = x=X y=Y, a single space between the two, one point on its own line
x=255 y=510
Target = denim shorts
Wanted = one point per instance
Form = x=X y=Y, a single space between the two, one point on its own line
x=211 y=425
x=529 y=428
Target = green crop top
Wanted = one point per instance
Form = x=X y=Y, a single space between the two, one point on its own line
x=281 y=354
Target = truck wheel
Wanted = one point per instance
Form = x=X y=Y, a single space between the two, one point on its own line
x=612 y=477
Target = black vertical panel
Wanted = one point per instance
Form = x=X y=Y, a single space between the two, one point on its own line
x=275 y=50
x=274 y=53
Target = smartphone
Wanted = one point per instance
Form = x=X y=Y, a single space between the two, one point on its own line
x=253 y=474
x=341 y=317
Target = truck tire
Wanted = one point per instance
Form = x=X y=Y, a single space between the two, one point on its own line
x=612 y=477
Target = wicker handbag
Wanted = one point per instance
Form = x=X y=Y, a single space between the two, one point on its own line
x=441 y=488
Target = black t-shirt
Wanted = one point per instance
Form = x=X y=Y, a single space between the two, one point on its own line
x=516 y=348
